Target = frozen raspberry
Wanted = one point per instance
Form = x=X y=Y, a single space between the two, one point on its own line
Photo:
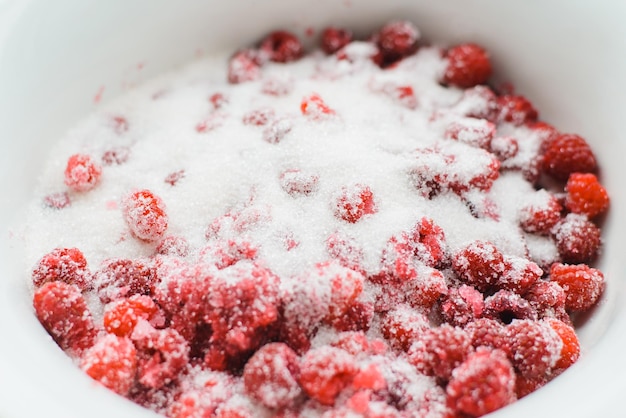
x=173 y=245
x=571 y=346
x=519 y=274
x=174 y=177
x=468 y=66
x=82 y=173
x=403 y=326
x=121 y=317
x=479 y=264
x=65 y=264
x=112 y=361
x=57 y=200
x=516 y=110
x=540 y=214
x=277 y=130
x=345 y=250
x=461 y=305
x=259 y=117
x=504 y=147
x=271 y=375
x=478 y=102
x=116 y=156
x=586 y=195
x=353 y=203
x=483 y=383
x=282 y=46
x=535 y=347
x=119 y=278
x=144 y=213
x=506 y=306
x=325 y=372
x=567 y=154
x=475 y=132
x=333 y=39
x=63 y=312
x=577 y=239
x=397 y=40
x=548 y=299
x=314 y=107
x=440 y=350
x=488 y=332
x=244 y=66
x=582 y=284
x=297 y=182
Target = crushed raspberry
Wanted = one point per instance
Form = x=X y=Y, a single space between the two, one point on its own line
x=63 y=312
x=397 y=40
x=506 y=306
x=403 y=326
x=173 y=178
x=259 y=117
x=583 y=285
x=144 y=213
x=121 y=317
x=478 y=102
x=475 y=132
x=487 y=332
x=468 y=66
x=173 y=245
x=297 y=182
x=314 y=107
x=585 y=195
x=577 y=239
x=112 y=361
x=548 y=299
x=282 y=46
x=65 y=264
x=571 y=346
x=116 y=156
x=120 y=278
x=271 y=375
x=325 y=372
x=57 y=200
x=82 y=173
x=353 y=203
x=504 y=147
x=333 y=39
x=277 y=130
x=516 y=110
x=567 y=154
x=244 y=66
x=479 y=264
x=535 y=347
x=541 y=214
x=461 y=305
x=483 y=383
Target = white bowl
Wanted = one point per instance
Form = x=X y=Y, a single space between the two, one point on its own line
x=568 y=57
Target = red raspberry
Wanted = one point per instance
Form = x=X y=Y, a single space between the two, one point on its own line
x=478 y=102
x=174 y=177
x=63 y=312
x=145 y=215
x=425 y=289
x=358 y=316
x=271 y=375
x=397 y=40
x=225 y=253
x=121 y=316
x=202 y=394
x=282 y=46
x=210 y=123
x=525 y=386
x=586 y=195
x=57 y=200
x=314 y=107
x=468 y=66
x=548 y=299
x=259 y=117
x=461 y=305
x=519 y=274
x=297 y=182
x=567 y=154
x=571 y=346
x=277 y=85
x=430 y=242
x=82 y=173
x=535 y=347
x=506 y=306
x=369 y=377
x=357 y=343
x=475 y=132
x=483 y=383
x=120 y=278
x=244 y=66
x=504 y=147
x=430 y=173
x=333 y=39
x=541 y=214
x=346 y=286
x=353 y=203
x=479 y=264
x=488 y=332
x=345 y=250
x=116 y=156
x=65 y=264
x=112 y=361
x=325 y=372
x=277 y=130
x=218 y=100
x=577 y=239
x=173 y=245
x=403 y=95
x=517 y=110
x=582 y=284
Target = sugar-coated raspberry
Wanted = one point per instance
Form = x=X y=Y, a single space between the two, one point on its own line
x=346 y=286
x=430 y=242
x=567 y=154
x=297 y=182
x=259 y=117
x=244 y=65
x=121 y=316
x=403 y=326
x=116 y=156
x=586 y=195
x=475 y=132
x=358 y=316
x=119 y=124
x=483 y=383
x=506 y=306
x=535 y=347
x=425 y=288
x=397 y=40
x=210 y=122
x=202 y=394
x=112 y=361
x=333 y=39
x=345 y=250
x=548 y=299
x=519 y=274
x=277 y=130
x=271 y=375
x=218 y=100
x=369 y=377
x=402 y=94
x=353 y=203
x=468 y=66
x=282 y=46
x=541 y=214
x=174 y=177
x=63 y=312
x=571 y=346
x=516 y=110
x=525 y=386
x=225 y=253
x=583 y=285
x=478 y=102
x=357 y=343
x=461 y=305
x=504 y=147
x=578 y=240
x=487 y=332
x=173 y=245
x=145 y=215
x=82 y=172
x=277 y=85
x=120 y=278
x=325 y=372
x=57 y=200
x=314 y=107
x=65 y=264
x=479 y=264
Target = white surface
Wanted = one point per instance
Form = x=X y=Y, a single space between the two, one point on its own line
x=568 y=57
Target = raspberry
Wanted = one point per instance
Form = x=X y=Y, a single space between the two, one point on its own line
x=314 y=107
x=173 y=245
x=202 y=394
x=271 y=375
x=585 y=195
x=333 y=39
x=174 y=177
x=425 y=288
x=461 y=305
x=519 y=274
x=345 y=250
x=571 y=346
x=112 y=361
x=369 y=377
x=479 y=264
x=516 y=110
x=548 y=299
x=397 y=40
x=535 y=347
x=277 y=130
x=145 y=215
x=541 y=214
x=567 y=154
x=429 y=241
x=346 y=286
x=468 y=66
x=63 y=312
x=225 y=253
x=577 y=239
x=210 y=123
x=475 y=132
x=483 y=383
x=82 y=173
x=120 y=278
x=582 y=284
x=57 y=200
x=353 y=203
x=244 y=66
x=504 y=147
x=282 y=46
x=275 y=85
x=488 y=332
x=116 y=156
x=403 y=326
x=259 y=117
x=506 y=306
x=121 y=316
x=65 y=264
x=218 y=100
x=478 y=102
x=356 y=317
x=297 y=182
x=402 y=94
x=325 y=372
